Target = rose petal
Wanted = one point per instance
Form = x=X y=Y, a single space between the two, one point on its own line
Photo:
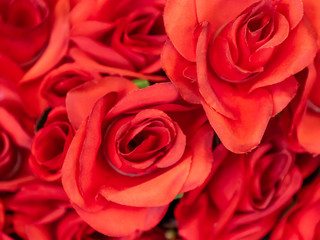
x=182 y=16
x=238 y=135
x=80 y=100
x=165 y=93
x=292 y=10
x=82 y=11
x=202 y=158
x=127 y=190
x=70 y=168
x=308 y=131
x=219 y=12
x=118 y=220
x=283 y=93
x=311 y=9
x=106 y=55
x=299 y=50
x=90 y=29
x=177 y=68
x=84 y=60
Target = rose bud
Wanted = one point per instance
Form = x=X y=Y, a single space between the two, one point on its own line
x=245 y=195
x=50 y=145
x=303 y=219
x=236 y=59
x=134 y=151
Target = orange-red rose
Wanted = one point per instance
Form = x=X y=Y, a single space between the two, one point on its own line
x=237 y=58
x=133 y=152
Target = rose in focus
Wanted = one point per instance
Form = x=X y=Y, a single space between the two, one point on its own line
x=237 y=59
x=133 y=153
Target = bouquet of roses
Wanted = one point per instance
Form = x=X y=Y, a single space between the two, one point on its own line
x=159 y=119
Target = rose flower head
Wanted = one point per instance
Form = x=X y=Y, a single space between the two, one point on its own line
x=133 y=152
x=237 y=58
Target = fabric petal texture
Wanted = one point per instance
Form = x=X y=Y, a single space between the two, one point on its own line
x=240 y=60
x=133 y=142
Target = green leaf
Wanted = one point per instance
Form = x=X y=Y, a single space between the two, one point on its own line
x=178 y=196
x=141 y=83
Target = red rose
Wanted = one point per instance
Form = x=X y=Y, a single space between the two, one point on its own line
x=303 y=220
x=245 y=195
x=119 y=38
x=50 y=145
x=237 y=59
x=56 y=84
x=133 y=154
